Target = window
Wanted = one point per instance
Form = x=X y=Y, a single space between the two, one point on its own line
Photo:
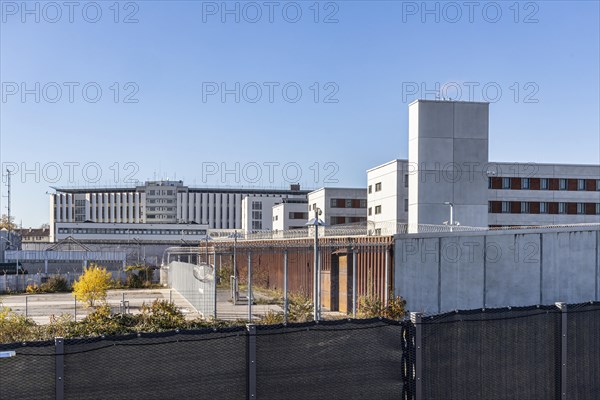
x=597 y=208
x=348 y=203
x=525 y=183
x=406 y=180
x=543 y=208
x=363 y=203
x=256 y=214
x=580 y=208
x=524 y=207
x=562 y=184
x=505 y=183
x=562 y=208
x=370 y=189
x=597 y=184
x=370 y=211
x=505 y=207
x=544 y=184
x=257 y=205
x=377 y=210
x=378 y=187
x=489 y=183
x=256 y=224
x=580 y=184
x=406 y=205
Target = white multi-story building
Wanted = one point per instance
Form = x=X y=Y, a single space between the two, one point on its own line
x=339 y=205
x=448 y=170
x=157 y=202
x=290 y=214
x=387 y=196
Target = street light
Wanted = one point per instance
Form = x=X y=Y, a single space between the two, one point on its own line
x=449 y=203
x=316 y=222
x=235 y=235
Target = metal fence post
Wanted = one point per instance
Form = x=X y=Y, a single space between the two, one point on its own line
x=251 y=361
x=75 y=309
x=215 y=287
x=285 y=286
x=563 y=350
x=59 y=368
x=26 y=306
x=416 y=319
x=249 y=286
x=354 y=290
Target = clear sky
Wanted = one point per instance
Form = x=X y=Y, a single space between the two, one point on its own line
x=190 y=88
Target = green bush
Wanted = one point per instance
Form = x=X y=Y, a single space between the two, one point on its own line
x=300 y=308
x=15 y=327
x=161 y=315
x=55 y=284
x=372 y=306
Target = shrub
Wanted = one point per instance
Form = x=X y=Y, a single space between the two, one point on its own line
x=300 y=308
x=55 y=284
x=160 y=315
x=91 y=287
x=15 y=327
x=271 y=317
x=372 y=306
x=134 y=281
x=33 y=289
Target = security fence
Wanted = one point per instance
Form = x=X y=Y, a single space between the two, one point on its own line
x=540 y=352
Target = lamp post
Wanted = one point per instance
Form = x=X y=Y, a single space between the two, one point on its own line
x=449 y=203
x=316 y=222
x=235 y=235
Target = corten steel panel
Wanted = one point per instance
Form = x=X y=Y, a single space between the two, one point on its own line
x=571 y=184
x=534 y=183
x=590 y=185
x=345 y=283
x=515 y=207
x=534 y=207
x=515 y=183
x=553 y=183
x=496 y=207
x=571 y=208
x=267 y=262
x=590 y=208
x=553 y=208
x=496 y=183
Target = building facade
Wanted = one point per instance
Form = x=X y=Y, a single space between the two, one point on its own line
x=339 y=205
x=448 y=171
x=290 y=214
x=158 y=202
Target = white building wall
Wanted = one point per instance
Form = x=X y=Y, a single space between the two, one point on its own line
x=322 y=199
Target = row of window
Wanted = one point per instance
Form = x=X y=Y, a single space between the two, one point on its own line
x=377 y=210
x=529 y=207
x=377 y=187
x=348 y=203
x=116 y=231
x=345 y=220
x=293 y=215
x=544 y=184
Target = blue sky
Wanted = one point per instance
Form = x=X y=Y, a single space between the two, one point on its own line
x=368 y=59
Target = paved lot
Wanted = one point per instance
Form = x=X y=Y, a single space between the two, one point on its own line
x=40 y=307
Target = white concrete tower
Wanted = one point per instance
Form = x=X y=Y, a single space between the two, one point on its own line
x=448 y=157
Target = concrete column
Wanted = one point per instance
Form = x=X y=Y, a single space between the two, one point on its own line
x=105 y=203
x=142 y=207
x=184 y=207
x=118 y=210
x=238 y=211
x=70 y=207
x=231 y=221
x=211 y=211
x=179 y=206
x=218 y=209
x=198 y=199
x=205 y=208
x=94 y=208
x=190 y=197
x=130 y=201
x=88 y=202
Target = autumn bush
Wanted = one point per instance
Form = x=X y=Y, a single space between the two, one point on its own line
x=92 y=285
